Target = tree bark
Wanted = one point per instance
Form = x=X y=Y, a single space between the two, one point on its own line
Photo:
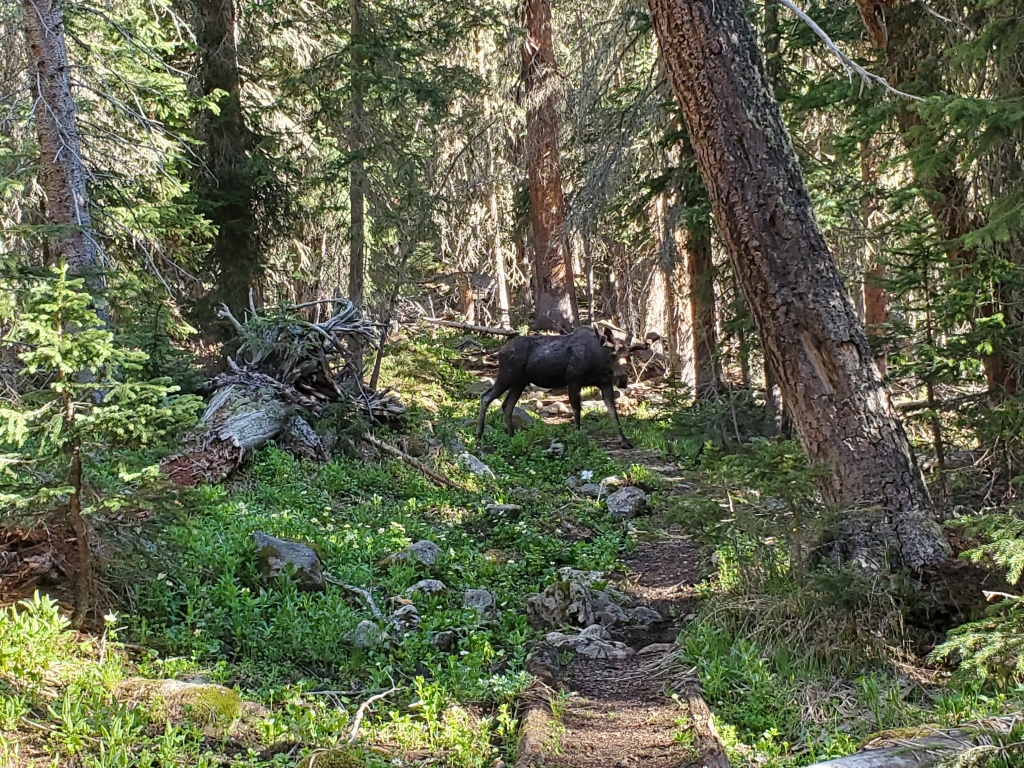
x=876 y=299
x=807 y=323
x=226 y=192
x=555 y=307
x=357 y=168
x=61 y=170
x=707 y=376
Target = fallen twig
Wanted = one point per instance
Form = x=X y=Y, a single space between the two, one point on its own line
x=365 y=594
x=414 y=463
x=361 y=712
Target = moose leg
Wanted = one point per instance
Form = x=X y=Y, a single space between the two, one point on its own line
x=509 y=405
x=574 y=401
x=488 y=397
x=609 y=403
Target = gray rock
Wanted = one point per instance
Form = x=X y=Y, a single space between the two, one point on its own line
x=521 y=419
x=406 y=618
x=564 y=602
x=644 y=615
x=427 y=587
x=477 y=388
x=657 y=649
x=366 y=635
x=593 y=642
x=445 y=641
x=583 y=577
x=502 y=510
x=424 y=551
x=594 y=490
x=627 y=502
x=592 y=405
x=571 y=482
x=480 y=599
x=556 y=449
x=278 y=557
x=474 y=465
x=557 y=408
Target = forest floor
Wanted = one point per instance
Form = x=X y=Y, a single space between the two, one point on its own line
x=796 y=666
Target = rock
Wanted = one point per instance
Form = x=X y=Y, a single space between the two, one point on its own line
x=212 y=707
x=406 y=618
x=627 y=502
x=592 y=405
x=445 y=641
x=427 y=587
x=613 y=482
x=657 y=649
x=480 y=599
x=564 y=602
x=502 y=510
x=425 y=552
x=471 y=463
x=557 y=408
x=594 y=642
x=277 y=557
x=583 y=577
x=366 y=635
x=477 y=388
x=644 y=615
x=556 y=449
x=521 y=419
x=594 y=490
x=571 y=482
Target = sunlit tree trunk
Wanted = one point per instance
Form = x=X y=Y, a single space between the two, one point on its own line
x=226 y=191
x=703 y=321
x=61 y=170
x=357 y=168
x=808 y=326
x=555 y=307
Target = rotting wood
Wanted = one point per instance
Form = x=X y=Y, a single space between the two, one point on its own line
x=471 y=327
x=412 y=462
x=706 y=741
x=536 y=716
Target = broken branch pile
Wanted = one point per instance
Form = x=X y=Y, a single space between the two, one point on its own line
x=286 y=369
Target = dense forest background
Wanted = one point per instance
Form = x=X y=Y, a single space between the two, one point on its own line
x=216 y=190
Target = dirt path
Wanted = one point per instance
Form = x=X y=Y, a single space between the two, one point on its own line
x=618 y=716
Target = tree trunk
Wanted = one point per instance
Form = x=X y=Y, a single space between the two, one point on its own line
x=807 y=323
x=61 y=170
x=555 y=307
x=467 y=303
x=702 y=314
x=876 y=299
x=226 y=192
x=357 y=168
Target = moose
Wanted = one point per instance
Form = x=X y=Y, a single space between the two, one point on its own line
x=587 y=357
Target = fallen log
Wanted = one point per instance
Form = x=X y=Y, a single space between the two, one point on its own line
x=471 y=327
x=706 y=741
x=537 y=725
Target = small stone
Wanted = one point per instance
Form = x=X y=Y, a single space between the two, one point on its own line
x=557 y=408
x=644 y=615
x=627 y=502
x=445 y=641
x=366 y=635
x=594 y=490
x=571 y=482
x=406 y=618
x=594 y=642
x=424 y=551
x=521 y=419
x=591 y=405
x=556 y=449
x=613 y=482
x=427 y=587
x=477 y=388
x=480 y=599
x=502 y=510
x=278 y=556
x=586 y=578
x=612 y=614
x=471 y=463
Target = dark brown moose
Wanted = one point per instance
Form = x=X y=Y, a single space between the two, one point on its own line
x=587 y=357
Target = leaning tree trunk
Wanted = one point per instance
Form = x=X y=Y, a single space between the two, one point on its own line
x=226 y=189
x=808 y=325
x=555 y=307
x=61 y=170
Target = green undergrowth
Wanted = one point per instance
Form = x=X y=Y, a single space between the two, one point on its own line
x=193 y=605
x=800 y=662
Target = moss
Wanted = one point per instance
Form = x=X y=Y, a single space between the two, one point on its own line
x=333 y=758
x=211 y=707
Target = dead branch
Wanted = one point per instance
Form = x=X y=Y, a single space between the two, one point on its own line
x=365 y=594
x=473 y=328
x=361 y=712
x=414 y=463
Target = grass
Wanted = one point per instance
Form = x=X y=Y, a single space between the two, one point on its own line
x=798 y=665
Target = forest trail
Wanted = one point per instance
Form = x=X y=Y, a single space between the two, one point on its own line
x=618 y=715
